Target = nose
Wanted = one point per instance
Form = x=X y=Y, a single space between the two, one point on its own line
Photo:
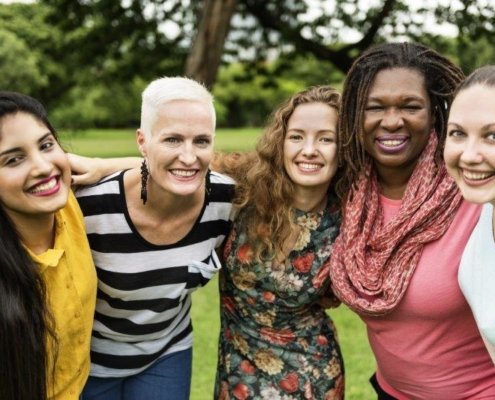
x=42 y=166
x=187 y=154
x=471 y=153
x=392 y=119
x=309 y=148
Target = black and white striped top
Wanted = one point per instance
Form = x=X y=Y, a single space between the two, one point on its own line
x=142 y=310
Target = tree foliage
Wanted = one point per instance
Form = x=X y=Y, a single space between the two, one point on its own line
x=89 y=59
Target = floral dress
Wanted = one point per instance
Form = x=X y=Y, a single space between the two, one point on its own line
x=276 y=341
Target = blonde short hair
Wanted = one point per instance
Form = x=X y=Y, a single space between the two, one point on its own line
x=166 y=89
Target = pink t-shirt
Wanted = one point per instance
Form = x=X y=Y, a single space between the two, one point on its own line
x=429 y=347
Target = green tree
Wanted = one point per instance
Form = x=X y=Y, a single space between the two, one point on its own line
x=19 y=66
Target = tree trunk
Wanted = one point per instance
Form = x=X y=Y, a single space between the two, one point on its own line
x=206 y=52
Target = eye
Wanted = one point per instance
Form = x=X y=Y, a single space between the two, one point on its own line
x=327 y=139
x=412 y=107
x=294 y=137
x=171 y=141
x=47 y=144
x=456 y=133
x=491 y=136
x=373 y=107
x=203 y=141
x=13 y=160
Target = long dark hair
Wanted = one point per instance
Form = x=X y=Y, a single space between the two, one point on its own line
x=26 y=325
x=441 y=80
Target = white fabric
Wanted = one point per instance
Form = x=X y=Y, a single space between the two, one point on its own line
x=477 y=277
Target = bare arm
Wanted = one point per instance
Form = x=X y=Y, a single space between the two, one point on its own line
x=89 y=170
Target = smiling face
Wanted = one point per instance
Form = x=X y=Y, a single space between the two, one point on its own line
x=180 y=147
x=397 y=121
x=310 y=146
x=34 y=170
x=470 y=146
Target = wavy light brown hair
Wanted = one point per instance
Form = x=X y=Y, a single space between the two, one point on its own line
x=441 y=80
x=264 y=191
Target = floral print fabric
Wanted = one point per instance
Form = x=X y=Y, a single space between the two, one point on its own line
x=276 y=341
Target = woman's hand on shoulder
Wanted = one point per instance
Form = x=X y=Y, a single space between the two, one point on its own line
x=89 y=170
x=85 y=170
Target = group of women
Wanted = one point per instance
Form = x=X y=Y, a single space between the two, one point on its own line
x=344 y=196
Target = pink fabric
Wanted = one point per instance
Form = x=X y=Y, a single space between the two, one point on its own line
x=429 y=347
x=373 y=262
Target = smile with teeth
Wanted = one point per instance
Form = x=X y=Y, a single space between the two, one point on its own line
x=309 y=166
x=477 y=176
x=183 y=173
x=44 y=187
x=392 y=142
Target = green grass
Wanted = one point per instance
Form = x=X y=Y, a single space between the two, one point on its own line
x=359 y=362
x=120 y=143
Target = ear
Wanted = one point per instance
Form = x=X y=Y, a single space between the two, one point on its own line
x=141 y=141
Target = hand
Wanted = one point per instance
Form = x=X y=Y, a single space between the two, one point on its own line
x=89 y=170
x=329 y=300
x=85 y=170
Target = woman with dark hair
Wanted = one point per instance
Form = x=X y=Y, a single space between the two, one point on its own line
x=405 y=226
x=470 y=159
x=47 y=278
x=276 y=340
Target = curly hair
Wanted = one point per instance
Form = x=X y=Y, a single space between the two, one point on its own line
x=441 y=80
x=264 y=191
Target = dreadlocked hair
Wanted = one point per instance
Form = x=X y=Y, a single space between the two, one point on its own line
x=441 y=80
x=264 y=191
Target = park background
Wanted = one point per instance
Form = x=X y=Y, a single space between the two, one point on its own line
x=89 y=60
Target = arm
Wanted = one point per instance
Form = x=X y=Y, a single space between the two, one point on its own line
x=88 y=170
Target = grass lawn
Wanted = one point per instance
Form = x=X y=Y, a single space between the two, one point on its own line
x=359 y=362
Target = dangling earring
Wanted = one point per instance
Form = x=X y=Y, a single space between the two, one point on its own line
x=208 y=184
x=144 y=181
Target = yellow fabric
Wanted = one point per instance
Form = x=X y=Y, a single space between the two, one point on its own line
x=70 y=278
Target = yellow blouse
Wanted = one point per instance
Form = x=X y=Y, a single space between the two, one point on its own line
x=70 y=278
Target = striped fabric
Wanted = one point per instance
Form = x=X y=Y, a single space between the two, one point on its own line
x=142 y=311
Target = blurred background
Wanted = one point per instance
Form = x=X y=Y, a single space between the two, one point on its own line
x=89 y=60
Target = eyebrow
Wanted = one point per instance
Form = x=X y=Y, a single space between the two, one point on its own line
x=16 y=149
x=319 y=131
x=405 y=98
x=483 y=128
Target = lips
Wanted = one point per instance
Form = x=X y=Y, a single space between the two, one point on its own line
x=477 y=178
x=183 y=173
x=46 y=187
x=309 y=167
x=392 y=143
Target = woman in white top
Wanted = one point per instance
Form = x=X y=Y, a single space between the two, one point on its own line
x=470 y=158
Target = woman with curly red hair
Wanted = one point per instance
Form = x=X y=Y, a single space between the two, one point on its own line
x=276 y=338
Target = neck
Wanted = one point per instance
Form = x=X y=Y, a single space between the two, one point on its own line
x=393 y=184
x=310 y=199
x=159 y=202
x=36 y=232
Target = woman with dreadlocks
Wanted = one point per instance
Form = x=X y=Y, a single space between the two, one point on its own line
x=405 y=226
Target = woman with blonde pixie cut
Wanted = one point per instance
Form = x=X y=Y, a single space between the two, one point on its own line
x=276 y=338
x=153 y=231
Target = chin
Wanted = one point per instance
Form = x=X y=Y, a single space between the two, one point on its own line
x=478 y=198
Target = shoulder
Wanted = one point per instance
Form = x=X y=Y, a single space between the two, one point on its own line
x=221 y=187
x=105 y=196
x=221 y=179
x=109 y=184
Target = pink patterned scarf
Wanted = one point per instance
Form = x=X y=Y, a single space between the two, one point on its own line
x=372 y=262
